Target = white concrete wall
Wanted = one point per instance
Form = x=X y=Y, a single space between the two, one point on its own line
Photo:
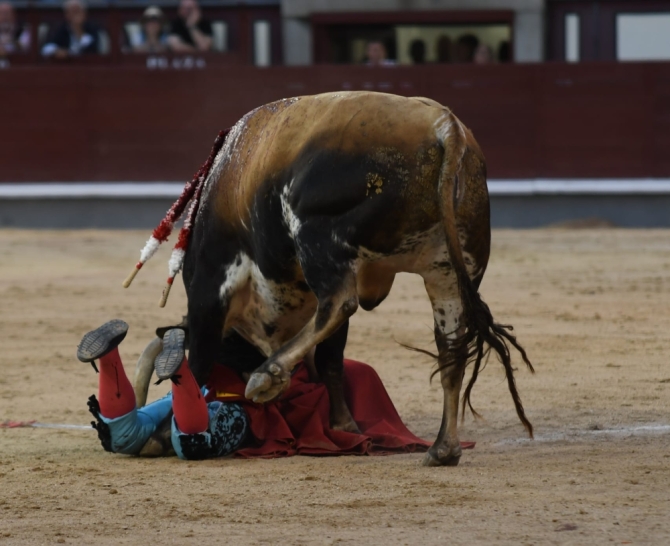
x=528 y=21
x=529 y=36
x=297 y=37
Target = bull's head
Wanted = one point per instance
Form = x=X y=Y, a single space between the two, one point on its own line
x=236 y=353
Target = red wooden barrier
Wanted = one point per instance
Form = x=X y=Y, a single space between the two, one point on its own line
x=129 y=122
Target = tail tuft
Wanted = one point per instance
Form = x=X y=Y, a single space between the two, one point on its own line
x=481 y=333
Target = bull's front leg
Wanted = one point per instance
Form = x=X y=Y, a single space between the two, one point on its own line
x=329 y=363
x=337 y=301
x=206 y=315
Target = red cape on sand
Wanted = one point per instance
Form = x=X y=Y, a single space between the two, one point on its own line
x=298 y=423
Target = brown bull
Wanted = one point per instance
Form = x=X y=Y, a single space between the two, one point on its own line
x=309 y=209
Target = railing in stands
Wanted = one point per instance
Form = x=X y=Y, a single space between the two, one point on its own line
x=232 y=25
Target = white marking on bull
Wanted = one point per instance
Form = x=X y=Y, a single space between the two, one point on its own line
x=236 y=276
x=289 y=216
x=268 y=292
x=271 y=304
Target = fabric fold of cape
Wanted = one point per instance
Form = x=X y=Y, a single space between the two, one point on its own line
x=298 y=422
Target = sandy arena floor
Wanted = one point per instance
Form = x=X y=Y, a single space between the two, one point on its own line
x=592 y=308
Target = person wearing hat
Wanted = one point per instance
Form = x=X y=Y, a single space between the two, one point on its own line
x=153 y=38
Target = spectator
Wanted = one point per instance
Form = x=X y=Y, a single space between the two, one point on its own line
x=14 y=38
x=465 y=48
x=376 y=54
x=153 y=38
x=504 y=52
x=75 y=36
x=417 y=51
x=444 y=47
x=483 y=54
x=190 y=31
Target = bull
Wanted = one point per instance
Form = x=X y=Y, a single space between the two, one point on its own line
x=306 y=210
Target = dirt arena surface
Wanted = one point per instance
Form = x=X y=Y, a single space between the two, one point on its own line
x=592 y=307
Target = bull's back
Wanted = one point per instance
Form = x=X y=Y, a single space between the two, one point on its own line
x=373 y=155
x=273 y=141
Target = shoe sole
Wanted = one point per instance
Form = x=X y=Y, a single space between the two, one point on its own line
x=99 y=342
x=167 y=363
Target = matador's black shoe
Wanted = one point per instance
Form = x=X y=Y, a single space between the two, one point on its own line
x=101 y=341
x=168 y=361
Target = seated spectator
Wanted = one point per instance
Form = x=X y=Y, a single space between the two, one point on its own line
x=504 y=52
x=190 y=31
x=153 y=38
x=483 y=54
x=466 y=45
x=376 y=55
x=444 y=47
x=75 y=36
x=14 y=37
x=417 y=51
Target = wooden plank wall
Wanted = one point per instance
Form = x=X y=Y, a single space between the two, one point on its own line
x=127 y=123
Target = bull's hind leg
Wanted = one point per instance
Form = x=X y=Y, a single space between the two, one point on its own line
x=447 y=314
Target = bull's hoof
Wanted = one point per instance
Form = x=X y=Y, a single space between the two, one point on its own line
x=348 y=426
x=267 y=383
x=442 y=456
x=341 y=419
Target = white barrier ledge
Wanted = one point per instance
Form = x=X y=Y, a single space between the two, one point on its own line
x=170 y=190
x=641 y=186
x=91 y=190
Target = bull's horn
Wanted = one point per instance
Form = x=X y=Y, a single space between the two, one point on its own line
x=145 y=369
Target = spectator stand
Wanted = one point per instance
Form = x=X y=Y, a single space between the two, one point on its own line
x=243 y=33
x=340 y=37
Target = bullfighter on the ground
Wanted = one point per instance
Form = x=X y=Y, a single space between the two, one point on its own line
x=216 y=421
x=199 y=430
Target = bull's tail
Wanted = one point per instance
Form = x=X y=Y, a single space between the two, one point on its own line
x=191 y=192
x=481 y=332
